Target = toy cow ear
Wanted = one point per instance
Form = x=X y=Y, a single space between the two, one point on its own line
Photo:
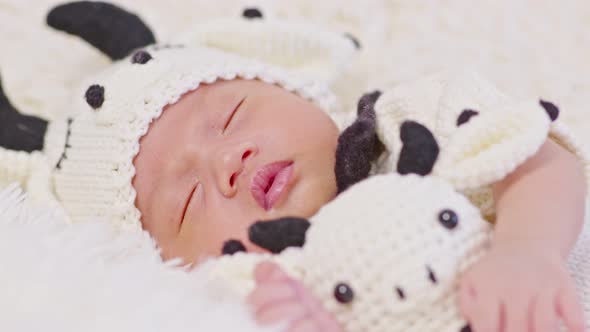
x=488 y=149
x=277 y=235
x=19 y=132
x=109 y=28
x=358 y=144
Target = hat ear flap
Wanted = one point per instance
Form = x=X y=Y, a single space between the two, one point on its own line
x=492 y=145
x=109 y=28
x=19 y=132
x=301 y=47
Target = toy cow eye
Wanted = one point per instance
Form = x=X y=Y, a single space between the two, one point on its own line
x=343 y=293
x=448 y=218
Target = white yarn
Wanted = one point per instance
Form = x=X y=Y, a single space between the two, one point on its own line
x=392 y=239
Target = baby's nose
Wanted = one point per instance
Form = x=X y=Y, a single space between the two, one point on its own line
x=230 y=164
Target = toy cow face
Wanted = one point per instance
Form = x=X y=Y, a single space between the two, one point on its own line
x=399 y=257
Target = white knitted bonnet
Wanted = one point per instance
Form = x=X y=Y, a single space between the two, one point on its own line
x=92 y=150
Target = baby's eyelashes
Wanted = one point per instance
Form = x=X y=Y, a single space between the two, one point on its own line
x=232 y=114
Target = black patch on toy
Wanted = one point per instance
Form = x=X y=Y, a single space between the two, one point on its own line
x=358 y=144
x=551 y=109
x=431 y=275
x=107 y=27
x=141 y=57
x=400 y=293
x=277 y=235
x=232 y=246
x=419 y=150
x=67 y=145
x=354 y=40
x=95 y=96
x=252 y=13
x=343 y=293
x=466 y=328
x=18 y=131
x=465 y=116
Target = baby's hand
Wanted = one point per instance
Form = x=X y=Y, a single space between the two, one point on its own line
x=278 y=298
x=515 y=289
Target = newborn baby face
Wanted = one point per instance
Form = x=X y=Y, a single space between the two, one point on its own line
x=229 y=154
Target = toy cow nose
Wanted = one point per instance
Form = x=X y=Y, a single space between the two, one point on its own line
x=466 y=328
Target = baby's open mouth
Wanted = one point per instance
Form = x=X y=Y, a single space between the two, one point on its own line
x=269 y=183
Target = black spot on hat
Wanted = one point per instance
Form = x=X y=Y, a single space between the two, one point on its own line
x=551 y=109
x=419 y=151
x=354 y=40
x=465 y=116
x=252 y=13
x=232 y=246
x=95 y=96
x=141 y=57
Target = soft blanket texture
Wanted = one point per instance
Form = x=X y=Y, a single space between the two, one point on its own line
x=89 y=277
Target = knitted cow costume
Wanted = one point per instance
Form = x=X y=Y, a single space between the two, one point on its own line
x=454 y=127
x=387 y=253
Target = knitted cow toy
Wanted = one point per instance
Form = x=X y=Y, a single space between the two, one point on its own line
x=390 y=265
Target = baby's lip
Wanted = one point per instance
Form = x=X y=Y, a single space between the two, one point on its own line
x=269 y=183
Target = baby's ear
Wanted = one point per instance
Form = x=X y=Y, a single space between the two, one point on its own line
x=301 y=47
x=109 y=28
x=358 y=144
x=494 y=144
x=19 y=132
x=279 y=234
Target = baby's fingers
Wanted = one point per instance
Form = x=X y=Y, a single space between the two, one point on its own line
x=267 y=293
x=268 y=271
x=544 y=317
x=570 y=309
x=482 y=310
x=284 y=311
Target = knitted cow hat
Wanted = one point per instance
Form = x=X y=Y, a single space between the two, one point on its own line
x=90 y=153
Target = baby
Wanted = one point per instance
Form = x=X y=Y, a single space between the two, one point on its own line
x=195 y=144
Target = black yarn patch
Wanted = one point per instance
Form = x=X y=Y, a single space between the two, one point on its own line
x=431 y=275
x=95 y=96
x=400 y=293
x=141 y=57
x=105 y=26
x=252 y=13
x=354 y=40
x=465 y=116
x=67 y=145
x=466 y=328
x=279 y=234
x=358 y=144
x=551 y=109
x=19 y=132
x=232 y=246
x=420 y=149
